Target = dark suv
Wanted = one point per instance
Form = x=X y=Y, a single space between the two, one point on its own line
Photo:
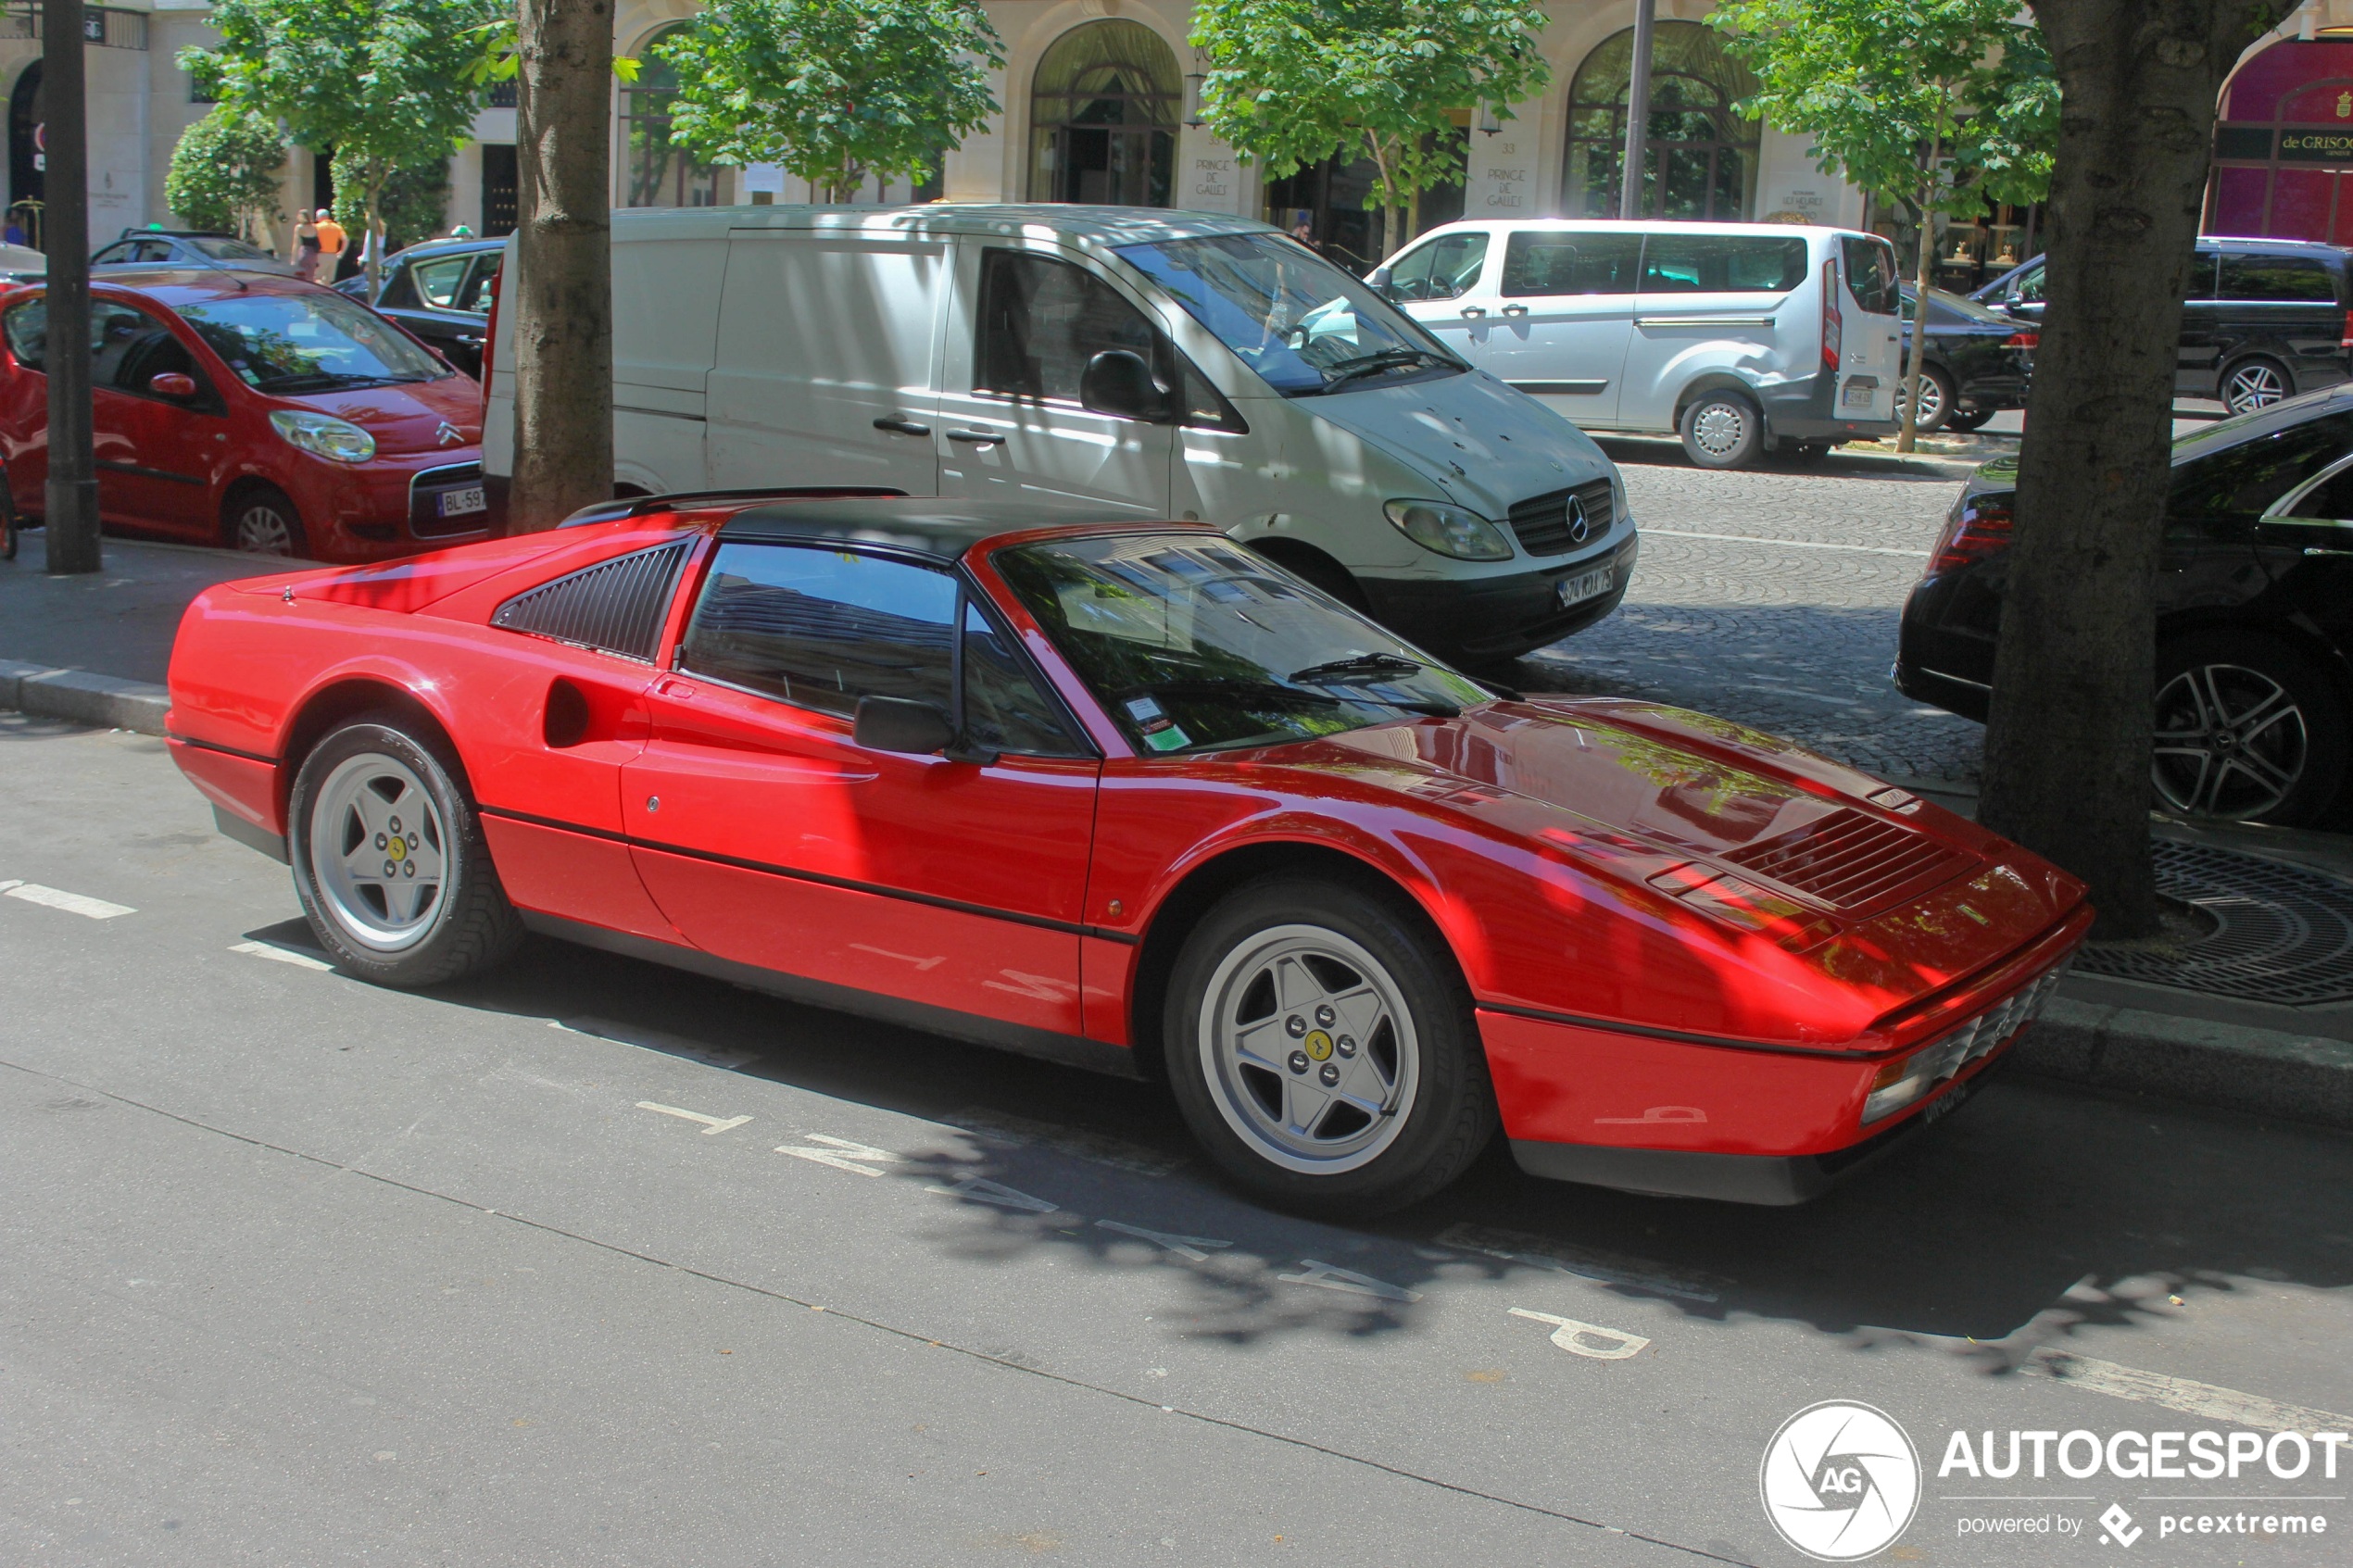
x=2264 y=320
x=2254 y=612
x=440 y=291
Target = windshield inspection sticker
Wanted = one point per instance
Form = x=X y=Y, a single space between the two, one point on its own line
x=1159 y=729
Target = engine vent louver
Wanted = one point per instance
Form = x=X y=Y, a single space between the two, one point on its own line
x=1854 y=861
x=616 y=606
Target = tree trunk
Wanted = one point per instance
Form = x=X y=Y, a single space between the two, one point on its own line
x=2067 y=749
x=70 y=500
x=560 y=291
x=1923 y=268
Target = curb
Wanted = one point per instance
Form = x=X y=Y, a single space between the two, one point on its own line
x=2293 y=1077
x=108 y=701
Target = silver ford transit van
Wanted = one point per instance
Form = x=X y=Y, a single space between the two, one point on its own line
x=1741 y=338
x=1185 y=365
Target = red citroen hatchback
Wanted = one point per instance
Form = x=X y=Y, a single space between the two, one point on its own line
x=262 y=413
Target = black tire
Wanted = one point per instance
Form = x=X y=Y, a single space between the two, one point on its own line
x=2247 y=730
x=1441 y=1104
x=1967 y=419
x=1937 y=394
x=1722 y=430
x=2256 y=382
x=466 y=926
x=261 y=520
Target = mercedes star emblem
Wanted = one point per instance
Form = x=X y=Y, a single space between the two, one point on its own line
x=1578 y=527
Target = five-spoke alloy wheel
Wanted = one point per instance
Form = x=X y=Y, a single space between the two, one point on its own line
x=1323 y=1049
x=2246 y=731
x=2256 y=383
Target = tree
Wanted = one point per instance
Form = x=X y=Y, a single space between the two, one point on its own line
x=224 y=174
x=387 y=84
x=413 y=201
x=1292 y=82
x=836 y=91
x=2067 y=749
x=1936 y=105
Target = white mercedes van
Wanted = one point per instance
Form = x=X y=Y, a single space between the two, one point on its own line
x=1185 y=365
x=1741 y=338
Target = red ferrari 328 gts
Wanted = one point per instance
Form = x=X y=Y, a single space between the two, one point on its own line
x=1127 y=796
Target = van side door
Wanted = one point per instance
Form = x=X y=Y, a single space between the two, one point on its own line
x=1012 y=425
x=1715 y=301
x=1438 y=284
x=1564 y=316
x=828 y=345
x=2275 y=310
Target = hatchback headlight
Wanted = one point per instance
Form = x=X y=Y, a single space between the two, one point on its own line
x=323 y=436
x=1450 y=530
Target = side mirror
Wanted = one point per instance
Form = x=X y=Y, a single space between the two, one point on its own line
x=1117 y=382
x=173 y=384
x=897 y=724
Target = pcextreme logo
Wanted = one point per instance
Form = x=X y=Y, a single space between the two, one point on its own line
x=1839 y=1481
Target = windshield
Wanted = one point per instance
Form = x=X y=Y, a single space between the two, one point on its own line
x=1195 y=644
x=231 y=250
x=1301 y=323
x=290 y=343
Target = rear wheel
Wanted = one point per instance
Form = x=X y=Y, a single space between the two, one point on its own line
x=263 y=522
x=390 y=863
x=1937 y=397
x=1967 y=419
x=1722 y=430
x=2247 y=730
x=2256 y=383
x=1324 y=1053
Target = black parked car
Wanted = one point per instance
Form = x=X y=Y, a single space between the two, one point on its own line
x=440 y=291
x=2254 y=611
x=2265 y=318
x=188 y=248
x=1976 y=364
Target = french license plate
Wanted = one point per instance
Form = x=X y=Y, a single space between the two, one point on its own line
x=1584 y=585
x=1858 y=392
x=457 y=503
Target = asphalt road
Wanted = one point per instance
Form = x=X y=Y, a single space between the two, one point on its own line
x=592 y=1262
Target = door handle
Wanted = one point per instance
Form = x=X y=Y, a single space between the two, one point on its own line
x=1473 y=312
x=1515 y=309
x=976 y=437
x=900 y=425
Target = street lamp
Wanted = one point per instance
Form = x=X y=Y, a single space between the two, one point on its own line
x=1195 y=81
x=1490 y=122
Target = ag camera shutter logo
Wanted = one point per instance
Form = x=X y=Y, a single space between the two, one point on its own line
x=1839 y=1481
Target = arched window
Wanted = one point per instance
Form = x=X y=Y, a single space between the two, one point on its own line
x=1700 y=157
x=655 y=173
x=1102 y=117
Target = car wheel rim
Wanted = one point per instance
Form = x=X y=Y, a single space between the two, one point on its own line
x=2255 y=386
x=378 y=853
x=1309 y=1051
x=263 y=530
x=2231 y=743
x=1932 y=401
x=1720 y=430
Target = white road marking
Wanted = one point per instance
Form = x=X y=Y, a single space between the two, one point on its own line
x=1577 y=1338
x=1021 y=1131
x=654 y=1040
x=1602 y=1267
x=2181 y=1394
x=711 y=1123
x=1326 y=1277
x=981 y=1189
x=1190 y=1246
x=1791 y=544
x=73 y=903
x=281 y=955
x=842 y=1155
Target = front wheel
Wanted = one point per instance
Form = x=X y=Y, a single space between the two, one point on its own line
x=1722 y=430
x=2247 y=730
x=390 y=863
x=263 y=522
x=2256 y=383
x=1324 y=1050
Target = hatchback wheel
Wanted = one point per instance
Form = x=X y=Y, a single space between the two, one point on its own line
x=2247 y=730
x=2256 y=383
x=390 y=863
x=1936 y=400
x=1324 y=1055
x=1722 y=430
x=264 y=522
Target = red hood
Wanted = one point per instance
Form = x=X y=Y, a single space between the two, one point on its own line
x=409 y=418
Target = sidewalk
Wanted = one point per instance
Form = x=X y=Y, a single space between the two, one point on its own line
x=95 y=650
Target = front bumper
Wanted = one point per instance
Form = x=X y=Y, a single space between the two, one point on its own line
x=1499 y=616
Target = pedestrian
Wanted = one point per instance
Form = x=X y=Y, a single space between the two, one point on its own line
x=306 y=246
x=331 y=242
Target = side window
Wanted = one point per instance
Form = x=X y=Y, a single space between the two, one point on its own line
x=473 y=295
x=1539 y=262
x=1870 y=276
x=2249 y=277
x=2200 y=284
x=1409 y=275
x=2232 y=487
x=153 y=353
x=1004 y=708
x=1721 y=264
x=119 y=338
x=822 y=628
x=2029 y=285
x=28 y=331
x=437 y=280
x=114 y=255
x=399 y=293
x=2331 y=500
x=1041 y=320
x=1444 y=269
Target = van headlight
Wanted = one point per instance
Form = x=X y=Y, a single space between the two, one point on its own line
x=323 y=436
x=1450 y=530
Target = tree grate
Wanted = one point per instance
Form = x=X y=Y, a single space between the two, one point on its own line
x=2281 y=934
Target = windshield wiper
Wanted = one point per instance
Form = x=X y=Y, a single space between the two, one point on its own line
x=1367 y=665
x=324 y=380
x=1364 y=365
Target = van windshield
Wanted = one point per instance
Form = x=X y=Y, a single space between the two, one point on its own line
x=1301 y=323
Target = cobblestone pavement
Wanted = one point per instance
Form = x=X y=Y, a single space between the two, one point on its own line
x=1771 y=596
